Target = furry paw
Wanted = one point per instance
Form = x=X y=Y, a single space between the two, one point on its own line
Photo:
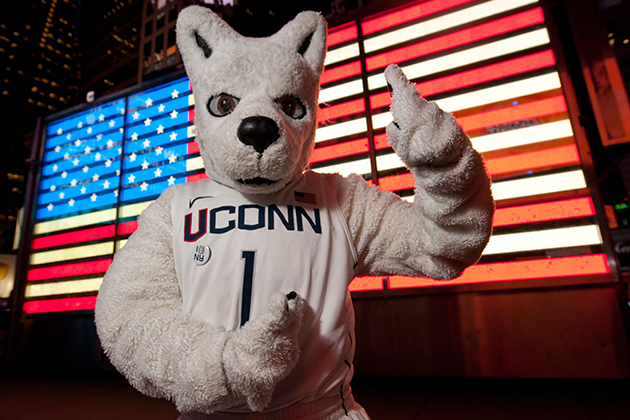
x=420 y=133
x=264 y=351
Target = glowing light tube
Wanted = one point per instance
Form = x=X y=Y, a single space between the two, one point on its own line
x=60 y=305
x=544 y=212
x=83 y=251
x=63 y=287
x=340 y=150
x=562 y=155
x=341 y=130
x=341 y=91
x=466 y=57
x=363 y=284
x=73 y=237
x=75 y=222
x=194 y=163
x=538 y=185
x=522 y=136
x=581 y=265
x=451 y=20
x=340 y=110
x=543 y=239
x=132 y=210
x=389 y=161
x=360 y=167
x=337 y=36
x=341 y=54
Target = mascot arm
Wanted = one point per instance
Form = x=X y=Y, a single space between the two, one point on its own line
x=449 y=224
x=167 y=353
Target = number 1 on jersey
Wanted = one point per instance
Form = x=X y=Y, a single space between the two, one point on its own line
x=248 y=279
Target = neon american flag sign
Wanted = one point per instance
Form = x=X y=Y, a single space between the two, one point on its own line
x=490 y=63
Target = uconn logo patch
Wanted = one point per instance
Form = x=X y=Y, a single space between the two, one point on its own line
x=250 y=217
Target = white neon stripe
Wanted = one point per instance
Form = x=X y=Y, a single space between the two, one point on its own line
x=191 y=131
x=486 y=96
x=442 y=23
x=543 y=184
x=343 y=53
x=81 y=251
x=194 y=163
x=409 y=198
x=523 y=136
x=120 y=244
x=357 y=167
x=467 y=57
x=340 y=91
x=63 y=287
x=544 y=239
x=132 y=210
x=389 y=161
x=341 y=130
x=191 y=99
x=74 y=222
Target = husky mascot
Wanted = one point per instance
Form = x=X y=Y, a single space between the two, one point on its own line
x=231 y=299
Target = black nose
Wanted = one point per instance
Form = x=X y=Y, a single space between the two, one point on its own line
x=259 y=132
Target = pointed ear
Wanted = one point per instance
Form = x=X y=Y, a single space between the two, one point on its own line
x=306 y=35
x=198 y=31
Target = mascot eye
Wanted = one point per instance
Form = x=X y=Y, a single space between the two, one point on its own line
x=222 y=105
x=292 y=107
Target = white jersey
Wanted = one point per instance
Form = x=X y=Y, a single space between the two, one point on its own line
x=233 y=251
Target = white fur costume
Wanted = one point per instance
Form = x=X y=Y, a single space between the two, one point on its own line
x=255 y=103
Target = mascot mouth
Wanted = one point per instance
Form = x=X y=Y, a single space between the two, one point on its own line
x=257 y=181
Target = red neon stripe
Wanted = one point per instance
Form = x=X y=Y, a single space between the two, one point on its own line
x=408 y=14
x=127 y=228
x=554 y=156
x=549 y=106
x=381 y=142
x=73 y=237
x=336 y=151
x=195 y=178
x=340 y=110
x=584 y=265
x=544 y=212
x=342 y=35
x=341 y=72
x=193 y=147
x=456 y=39
x=396 y=182
x=60 y=305
x=69 y=270
x=364 y=284
x=472 y=77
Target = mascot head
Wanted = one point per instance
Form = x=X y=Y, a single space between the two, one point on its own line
x=255 y=98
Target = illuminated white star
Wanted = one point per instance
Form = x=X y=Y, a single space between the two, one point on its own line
x=97 y=156
x=158 y=150
x=71 y=202
x=101 y=118
x=77 y=143
x=85 y=169
x=87 y=150
x=157 y=172
x=174 y=94
x=83 y=189
x=89 y=130
x=66 y=156
x=172 y=159
x=149 y=102
x=122 y=111
x=160 y=129
x=61 y=195
x=80 y=125
x=173 y=136
x=64 y=174
x=143 y=186
x=75 y=162
x=121 y=130
x=59 y=131
x=95 y=177
x=93 y=197
x=68 y=136
x=57 y=149
x=135 y=115
x=116 y=193
x=117 y=172
x=146 y=143
x=55 y=167
x=50 y=207
x=106 y=184
x=145 y=165
x=99 y=136
x=134 y=137
x=52 y=188
x=112 y=123
x=73 y=183
x=161 y=108
x=147 y=122
x=171 y=180
x=110 y=144
x=108 y=163
x=132 y=157
x=131 y=179
x=173 y=114
x=120 y=150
